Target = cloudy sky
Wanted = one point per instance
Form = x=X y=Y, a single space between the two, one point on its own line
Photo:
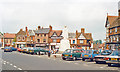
x=75 y=14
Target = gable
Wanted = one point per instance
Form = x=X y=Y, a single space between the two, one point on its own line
x=81 y=37
x=54 y=34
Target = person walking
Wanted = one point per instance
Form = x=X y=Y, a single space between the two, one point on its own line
x=49 y=53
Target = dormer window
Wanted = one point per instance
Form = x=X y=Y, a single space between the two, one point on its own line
x=81 y=41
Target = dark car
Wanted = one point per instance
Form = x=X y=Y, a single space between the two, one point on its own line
x=14 y=49
x=7 y=49
x=90 y=54
x=72 y=54
x=100 y=58
x=113 y=58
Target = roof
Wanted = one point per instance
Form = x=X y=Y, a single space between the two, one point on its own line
x=58 y=32
x=44 y=30
x=71 y=35
x=115 y=23
x=31 y=32
x=9 y=35
x=86 y=35
x=21 y=32
x=110 y=20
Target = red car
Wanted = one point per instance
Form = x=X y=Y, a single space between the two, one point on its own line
x=19 y=49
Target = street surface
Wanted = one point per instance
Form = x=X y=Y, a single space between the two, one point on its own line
x=21 y=61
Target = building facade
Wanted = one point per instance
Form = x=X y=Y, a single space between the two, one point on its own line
x=55 y=37
x=8 y=39
x=82 y=40
x=42 y=37
x=113 y=31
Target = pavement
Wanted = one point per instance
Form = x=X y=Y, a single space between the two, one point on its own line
x=22 y=61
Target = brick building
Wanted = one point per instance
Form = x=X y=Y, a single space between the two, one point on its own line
x=81 y=40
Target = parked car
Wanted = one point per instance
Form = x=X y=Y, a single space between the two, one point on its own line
x=100 y=58
x=113 y=58
x=73 y=54
x=34 y=50
x=90 y=54
x=24 y=50
x=14 y=49
x=19 y=49
x=7 y=49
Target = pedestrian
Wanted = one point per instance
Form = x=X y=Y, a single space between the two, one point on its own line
x=49 y=53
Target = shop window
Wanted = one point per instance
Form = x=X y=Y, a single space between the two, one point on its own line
x=45 y=35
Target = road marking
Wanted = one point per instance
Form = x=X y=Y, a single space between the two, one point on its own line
x=19 y=69
x=11 y=64
x=15 y=66
x=101 y=67
x=7 y=62
x=4 y=63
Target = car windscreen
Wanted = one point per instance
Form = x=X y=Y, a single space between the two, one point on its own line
x=88 y=51
x=7 y=48
x=106 y=52
x=68 y=51
x=115 y=53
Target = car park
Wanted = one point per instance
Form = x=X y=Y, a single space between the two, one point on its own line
x=7 y=49
x=90 y=54
x=73 y=54
x=113 y=58
x=100 y=58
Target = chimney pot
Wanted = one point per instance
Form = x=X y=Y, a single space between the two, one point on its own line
x=38 y=27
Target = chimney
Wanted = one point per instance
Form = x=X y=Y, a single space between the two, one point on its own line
x=119 y=8
x=76 y=33
x=38 y=27
x=82 y=30
x=50 y=27
x=26 y=31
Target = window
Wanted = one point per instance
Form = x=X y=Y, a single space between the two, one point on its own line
x=111 y=38
x=44 y=34
x=114 y=38
x=73 y=41
x=116 y=29
x=44 y=40
x=81 y=41
x=23 y=38
x=41 y=35
x=54 y=40
x=110 y=30
x=38 y=40
x=37 y=34
x=31 y=38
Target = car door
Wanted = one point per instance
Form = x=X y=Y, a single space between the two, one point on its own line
x=78 y=53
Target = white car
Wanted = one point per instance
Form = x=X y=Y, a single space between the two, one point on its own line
x=100 y=58
x=113 y=58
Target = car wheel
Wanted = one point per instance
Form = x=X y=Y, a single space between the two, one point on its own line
x=63 y=58
x=97 y=62
x=83 y=59
x=91 y=59
x=109 y=64
x=74 y=58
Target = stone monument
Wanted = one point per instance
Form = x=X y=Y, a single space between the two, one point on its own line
x=64 y=43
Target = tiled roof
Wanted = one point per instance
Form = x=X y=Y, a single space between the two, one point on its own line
x=58 y=32
x=31 y=32
x=71 y=35
x=86 y=35
x=21 y=32
x=9 y=35
x=116 y=22
x=44 y=30
x=110 y=19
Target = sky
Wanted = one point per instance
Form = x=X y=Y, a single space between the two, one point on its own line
x=75 y=14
